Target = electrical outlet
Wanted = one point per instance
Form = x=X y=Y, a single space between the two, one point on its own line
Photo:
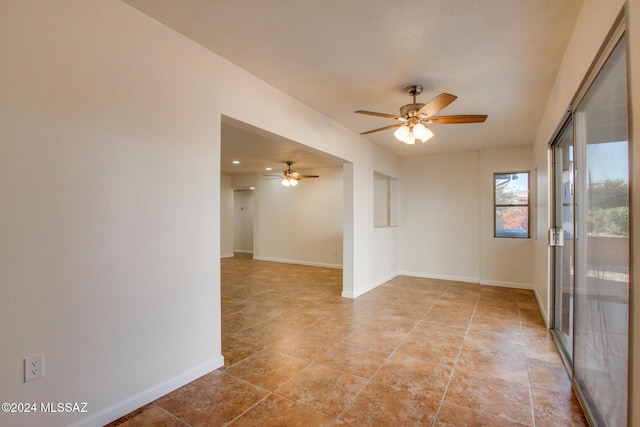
x=33 y=367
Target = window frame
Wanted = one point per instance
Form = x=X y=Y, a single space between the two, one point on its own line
x=496 y=206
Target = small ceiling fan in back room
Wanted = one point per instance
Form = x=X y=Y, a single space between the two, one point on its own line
x=290 y=177
x=414 y=117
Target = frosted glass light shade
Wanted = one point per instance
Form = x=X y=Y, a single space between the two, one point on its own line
x=427 y=134
x=420 y=131
x=293 y=182
x=402 y=133
x=409 y=135
x=286 y=182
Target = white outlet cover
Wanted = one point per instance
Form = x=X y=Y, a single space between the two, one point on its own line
x=33 y=367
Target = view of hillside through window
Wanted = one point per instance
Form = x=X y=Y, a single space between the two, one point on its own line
x=608 y=189
x=511 y=204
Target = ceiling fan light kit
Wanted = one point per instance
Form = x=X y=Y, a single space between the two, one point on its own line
x=409 y=134
x=289 y=182
x=289 y=177
x=414 y=116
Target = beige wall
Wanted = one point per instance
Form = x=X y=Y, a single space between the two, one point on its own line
x=503 y=262
x=439 y=221
x=302 y=224
x=446 y=220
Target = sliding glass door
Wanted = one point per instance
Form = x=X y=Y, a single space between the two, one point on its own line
x=591 y=295
x=602 y=285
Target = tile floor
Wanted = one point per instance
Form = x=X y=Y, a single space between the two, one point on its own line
x=412 y=352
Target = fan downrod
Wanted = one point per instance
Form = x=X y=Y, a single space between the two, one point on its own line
x=411 y=110
x=407 y=110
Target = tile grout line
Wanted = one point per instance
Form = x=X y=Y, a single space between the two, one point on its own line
x=250 y=407
x=310 y=361
x=387 y=359
x=526 y=357
x=446 y=389
x=273 y=344
x=172 y=414
x=394 y=352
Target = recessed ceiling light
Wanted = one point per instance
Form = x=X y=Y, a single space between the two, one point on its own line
x=269 y=169
x=236 y=162
x=252 y=188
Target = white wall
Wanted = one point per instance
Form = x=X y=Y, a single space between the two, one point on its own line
x=503 y=261
x=369 y=247
x=439 y=220
x=301 y=224
x=446 y=226
x=381 y=200
x=110 y=207
x=226 y=216
x=243 y=213
x=110 y=178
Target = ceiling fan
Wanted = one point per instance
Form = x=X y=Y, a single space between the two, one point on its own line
x=414 y=116
x=290 y=177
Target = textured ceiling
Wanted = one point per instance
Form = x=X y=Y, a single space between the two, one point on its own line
x=500 y=57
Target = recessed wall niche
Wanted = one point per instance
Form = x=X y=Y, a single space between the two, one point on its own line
x=385 y=201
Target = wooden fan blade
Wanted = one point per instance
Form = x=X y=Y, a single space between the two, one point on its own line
x=307 y=176
x=388 y=116
x=379 y=129
x=436 y=104
x=454 y=120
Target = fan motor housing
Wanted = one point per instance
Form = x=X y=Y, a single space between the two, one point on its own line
x=410 y=110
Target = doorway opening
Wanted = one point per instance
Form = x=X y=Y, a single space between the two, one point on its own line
x=300 y=224
x=243 y=221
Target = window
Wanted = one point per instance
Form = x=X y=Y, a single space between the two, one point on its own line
x=511 y=204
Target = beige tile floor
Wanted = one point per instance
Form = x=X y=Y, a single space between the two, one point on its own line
x=412 y=352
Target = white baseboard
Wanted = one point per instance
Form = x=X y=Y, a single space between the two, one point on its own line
x=545 y=314
x=121 y=409
x=242 y=251
x=513 y=285
x=440 y=277
x=298 y=262
x=371 y=287
x=227 y=255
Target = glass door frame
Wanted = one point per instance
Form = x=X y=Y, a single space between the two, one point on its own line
x=556 y=237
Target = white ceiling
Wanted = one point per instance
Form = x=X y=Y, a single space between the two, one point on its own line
x=257 y=149
x=500 y=58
